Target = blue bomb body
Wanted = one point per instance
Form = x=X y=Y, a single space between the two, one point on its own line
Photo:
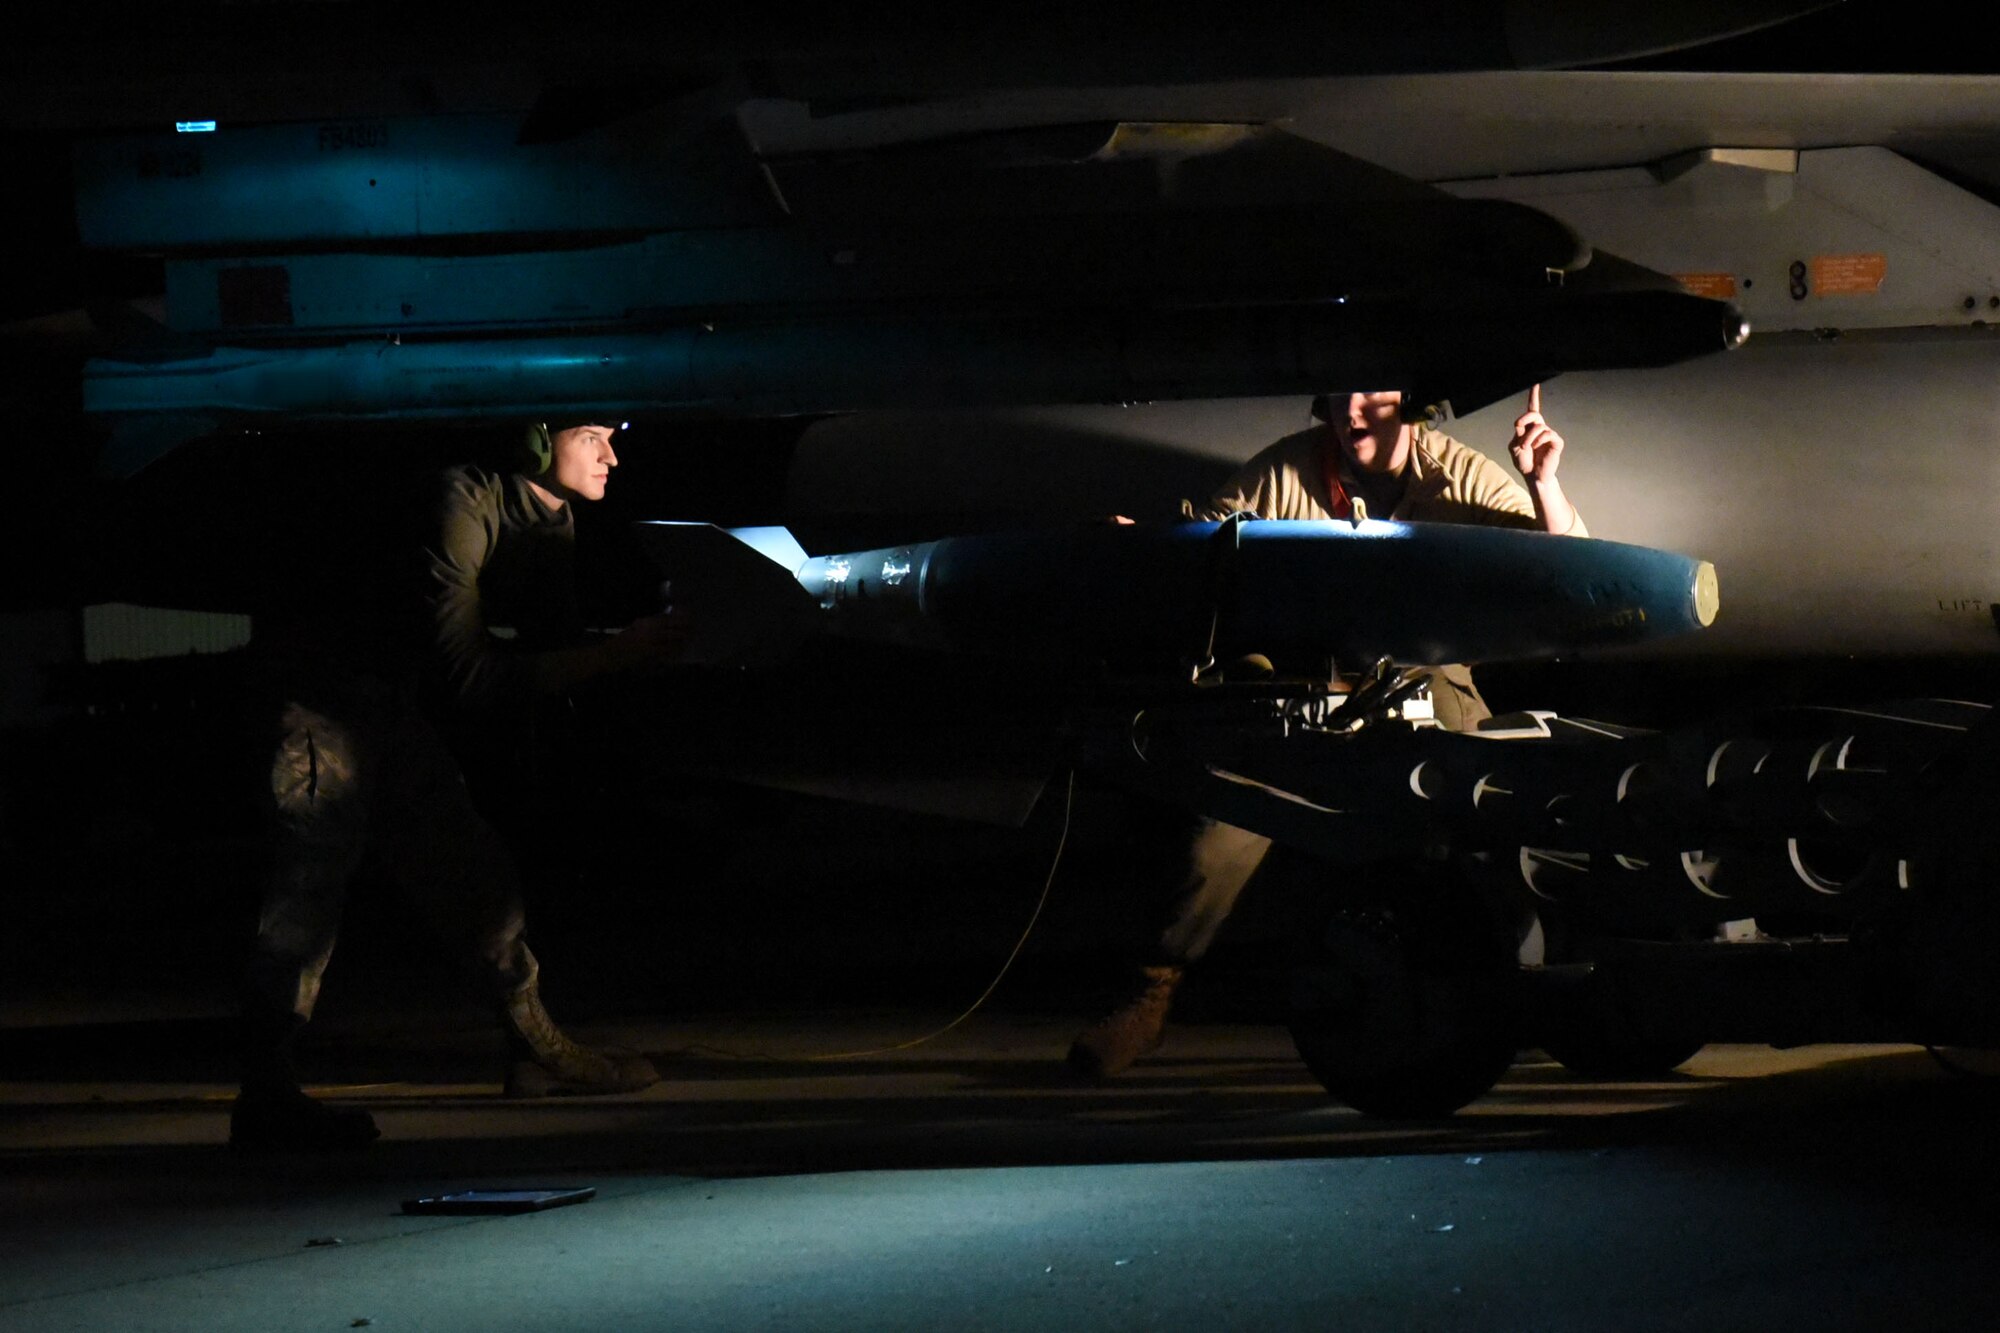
x=1416 y=593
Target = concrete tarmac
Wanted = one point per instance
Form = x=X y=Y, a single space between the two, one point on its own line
x=966 y=1183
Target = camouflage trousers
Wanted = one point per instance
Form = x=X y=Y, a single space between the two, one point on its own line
x=378 y=776
x=1221 y=858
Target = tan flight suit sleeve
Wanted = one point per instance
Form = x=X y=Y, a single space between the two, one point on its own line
x=1479 y=491
x=1251 y=491
x=1274 y=484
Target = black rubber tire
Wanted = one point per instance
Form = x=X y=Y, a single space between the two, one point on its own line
x=1425 y=1052
x=1411 y=1014
x=1609 y=1056
x=1595 y=1029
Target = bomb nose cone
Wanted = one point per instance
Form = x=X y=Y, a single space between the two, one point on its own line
x=1707 y=594
x=1735 y=331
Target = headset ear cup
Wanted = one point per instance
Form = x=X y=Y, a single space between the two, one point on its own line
x=537 y=449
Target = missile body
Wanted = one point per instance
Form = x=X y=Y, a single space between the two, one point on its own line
x=1295 y=591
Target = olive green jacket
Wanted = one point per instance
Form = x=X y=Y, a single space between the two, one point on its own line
x=496 y=556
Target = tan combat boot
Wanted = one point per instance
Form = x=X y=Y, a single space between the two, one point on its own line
x=546 y=1063
x=1111 y=1045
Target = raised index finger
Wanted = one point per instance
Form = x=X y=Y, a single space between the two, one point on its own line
x=1535 y=398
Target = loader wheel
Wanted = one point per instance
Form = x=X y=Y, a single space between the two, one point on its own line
x=1595 y=1028
x=1604 y=1053
x=1408 y=1018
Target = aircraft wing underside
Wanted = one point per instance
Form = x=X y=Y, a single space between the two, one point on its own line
x=434 y=267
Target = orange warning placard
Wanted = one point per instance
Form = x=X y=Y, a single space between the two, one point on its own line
x=1715 y=286
x=1848 y=275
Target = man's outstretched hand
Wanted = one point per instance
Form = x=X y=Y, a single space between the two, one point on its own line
x=1537 y=449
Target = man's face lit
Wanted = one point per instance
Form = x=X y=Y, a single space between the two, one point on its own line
x=1371 y=432
x=581 y=464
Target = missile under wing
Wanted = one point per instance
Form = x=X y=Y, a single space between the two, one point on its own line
x=1139 y=596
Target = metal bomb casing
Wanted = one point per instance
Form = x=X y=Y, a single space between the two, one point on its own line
x=1416 y=593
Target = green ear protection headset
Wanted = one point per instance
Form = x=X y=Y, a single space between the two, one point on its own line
x=538 y=450
x=1324 y=408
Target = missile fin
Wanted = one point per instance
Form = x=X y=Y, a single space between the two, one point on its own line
x=744 y=608
x=773 y=543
